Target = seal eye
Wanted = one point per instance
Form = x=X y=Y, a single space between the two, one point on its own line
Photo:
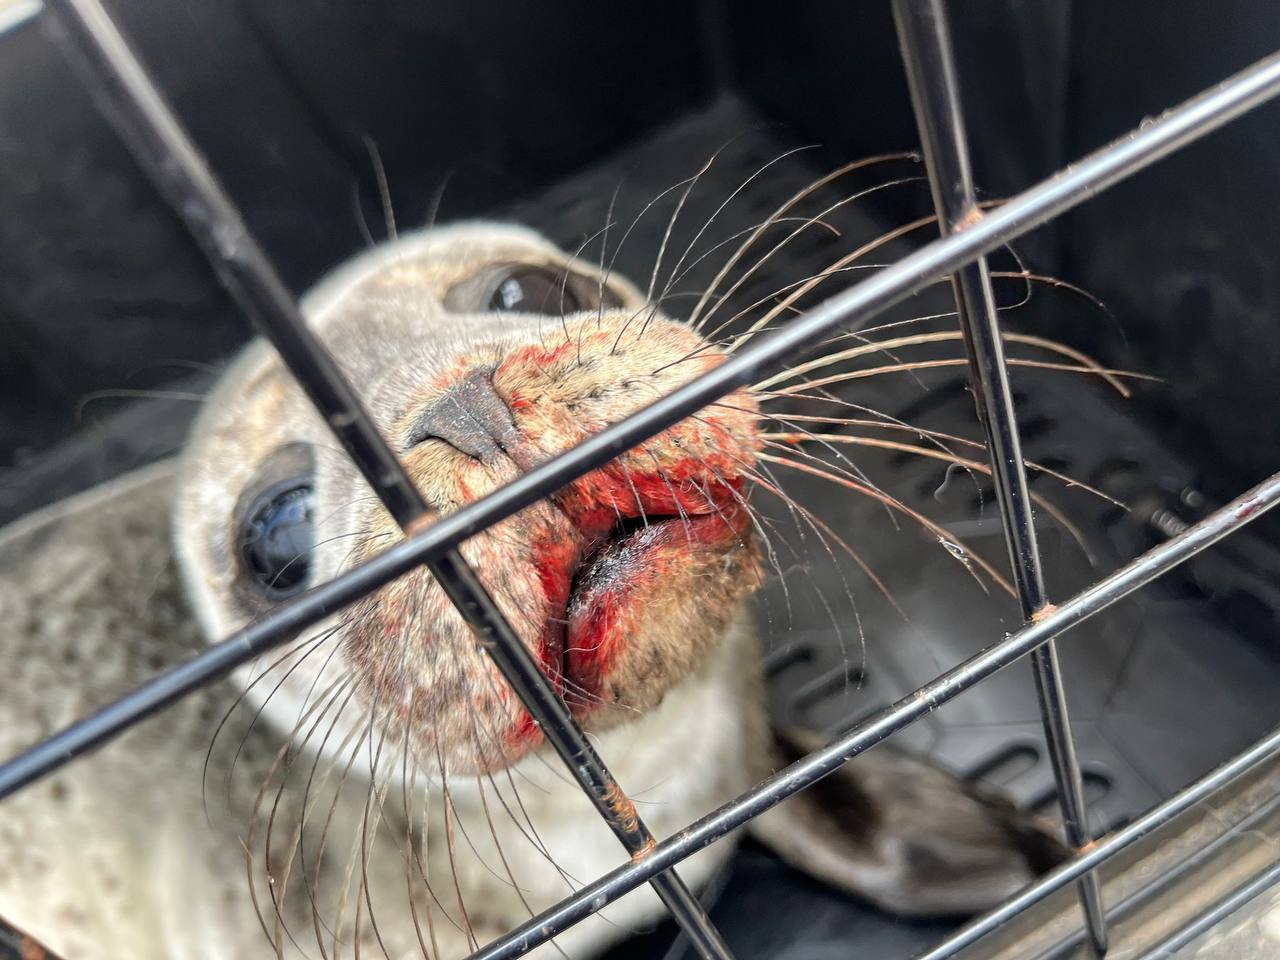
x=276 y=538
x=535 y=289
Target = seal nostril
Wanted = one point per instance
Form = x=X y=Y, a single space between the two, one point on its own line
x=470 y=417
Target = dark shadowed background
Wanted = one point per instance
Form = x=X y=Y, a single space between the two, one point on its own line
x=101 y=289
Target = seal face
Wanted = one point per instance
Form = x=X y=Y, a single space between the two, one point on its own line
x=618 y=583
x=481 y=352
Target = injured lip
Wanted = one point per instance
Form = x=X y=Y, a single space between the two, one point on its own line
x=611 y=573
x=620 y=574
x=605 y=591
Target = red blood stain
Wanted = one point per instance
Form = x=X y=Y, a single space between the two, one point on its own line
x=690 y=487
x=594 y=644
x=555 y=559
x=526 y=729
x=458 y=371
x=707 y=516
x=536 y=356
x=605 y=617
x=694 y=482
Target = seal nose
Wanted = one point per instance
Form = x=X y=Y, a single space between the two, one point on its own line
x=471 y=418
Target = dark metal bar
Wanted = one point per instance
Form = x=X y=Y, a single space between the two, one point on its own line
x=776 y=788
x=136 y=109
x=935 y=94
x=16 y=944
x=1168 y=948
x=1265 y=749
x=566 y=737
x=1073 y=186
x=179 y=171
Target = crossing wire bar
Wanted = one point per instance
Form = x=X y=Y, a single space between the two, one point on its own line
x=177 y=169
x=919 y=703
x=860 y=303
x=935 y=94
x=20 y=945
x=435 y=543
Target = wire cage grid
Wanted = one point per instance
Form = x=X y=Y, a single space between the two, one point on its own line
x=141 y=116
